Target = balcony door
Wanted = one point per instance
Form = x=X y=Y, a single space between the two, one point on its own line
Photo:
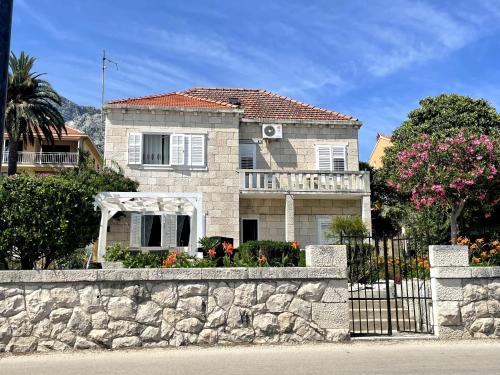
x=56 y=148
x=250 y=230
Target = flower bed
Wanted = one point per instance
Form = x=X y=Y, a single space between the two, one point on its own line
x=250 y=254
x=482 y=253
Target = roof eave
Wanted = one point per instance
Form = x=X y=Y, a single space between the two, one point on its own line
x=352 y=122
x=170 y=108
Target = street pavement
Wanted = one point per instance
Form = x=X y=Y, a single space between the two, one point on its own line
x=358 y=357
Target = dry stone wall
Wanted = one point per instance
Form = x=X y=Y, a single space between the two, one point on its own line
x=113 y=309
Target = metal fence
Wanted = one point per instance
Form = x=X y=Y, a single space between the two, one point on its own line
x=389 y=285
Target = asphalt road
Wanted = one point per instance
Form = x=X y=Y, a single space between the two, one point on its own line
x=395 y=357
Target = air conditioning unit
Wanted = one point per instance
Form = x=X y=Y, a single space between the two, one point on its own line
x=272 y=131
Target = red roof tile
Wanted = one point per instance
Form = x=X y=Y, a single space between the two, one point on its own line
x=70 y=132
x=175 y=99
x=264 y=104
x=256 y=103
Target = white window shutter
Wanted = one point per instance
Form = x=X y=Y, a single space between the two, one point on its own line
x=135 y=229
x=135 y=148
x=177 y=149
x=324 y=157
x=197 y=153
x=169 y=230
x=338 y=158
x=247 y=155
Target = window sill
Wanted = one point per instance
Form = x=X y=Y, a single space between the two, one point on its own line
x=167 y=167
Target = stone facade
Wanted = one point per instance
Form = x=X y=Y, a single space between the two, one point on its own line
x=295 y=151
x=114 y=309
x=308 y=212
x=218 y=181
x=466 y=300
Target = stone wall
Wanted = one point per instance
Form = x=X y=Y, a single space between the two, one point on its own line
x=92 y=309
x=466 y=300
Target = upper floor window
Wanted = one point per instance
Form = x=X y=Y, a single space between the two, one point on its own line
x=331 y=158
x=248 y=153
x=167 y=149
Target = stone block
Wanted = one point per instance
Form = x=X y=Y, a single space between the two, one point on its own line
x=224 y=273
x=451 y=272
x=448 y=256
x=448 y=313
x=336 y=291
x=326 y=273
x=326 y=256
x=447 y=289
x=330 y=315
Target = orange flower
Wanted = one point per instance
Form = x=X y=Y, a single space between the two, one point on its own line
x=479 y=240
x=484 y=254
x=473 y=246
x=228 y=248
x=170 y=261
x=493 y=252
x=476 y=260
x=295 y=244
x=262 y=259
x=211 y=253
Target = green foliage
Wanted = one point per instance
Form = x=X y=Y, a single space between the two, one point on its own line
x=277 y=253
x=48 y=218
x=75 y=260
x=116 y=253
x=439 y=118
x=31 y=109
x=347 y=226
x=208 y=243
x=144 y=260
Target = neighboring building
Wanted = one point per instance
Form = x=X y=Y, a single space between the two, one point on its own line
x=258 y=165
x=43 y=157
x=383 y=141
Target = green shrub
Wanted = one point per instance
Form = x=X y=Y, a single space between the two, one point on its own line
x=277 y=253
x=144 y=260
x=116 y=253
x=347 y=227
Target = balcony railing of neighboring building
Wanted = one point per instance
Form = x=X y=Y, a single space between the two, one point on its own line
x=44 y=158
x=256 y=180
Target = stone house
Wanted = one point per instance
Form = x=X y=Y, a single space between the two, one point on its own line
x=262 y=166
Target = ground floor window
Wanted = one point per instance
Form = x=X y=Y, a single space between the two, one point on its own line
x=159 y=230
x=323 y=229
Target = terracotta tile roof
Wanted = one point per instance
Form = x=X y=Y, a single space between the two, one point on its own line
x=175 y=99
x=71 y=132
x=264 y=104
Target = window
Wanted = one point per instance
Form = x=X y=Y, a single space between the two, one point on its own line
x=323 y=225
x=247 y=155
x=167 y=149
x=331 y=158
x=159 y=230
x=155 y=149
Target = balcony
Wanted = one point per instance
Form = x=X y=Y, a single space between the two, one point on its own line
x=44 y=158
x=267 y=181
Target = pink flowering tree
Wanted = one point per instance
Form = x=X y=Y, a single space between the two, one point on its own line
x=449 y=171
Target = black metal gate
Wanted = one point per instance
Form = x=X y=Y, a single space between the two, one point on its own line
x=389 y=286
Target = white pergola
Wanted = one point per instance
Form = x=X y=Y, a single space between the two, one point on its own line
x=190 y=204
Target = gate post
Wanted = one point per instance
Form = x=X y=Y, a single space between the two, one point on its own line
x=387 y=288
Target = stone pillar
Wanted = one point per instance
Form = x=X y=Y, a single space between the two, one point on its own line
x=289 y=218
x=366 y=212
x=449 y=264
x=332 y=311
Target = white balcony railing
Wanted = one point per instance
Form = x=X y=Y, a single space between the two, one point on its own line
x=44 y=158
x=304 y=181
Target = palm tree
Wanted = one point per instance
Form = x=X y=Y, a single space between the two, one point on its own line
x=32 y=107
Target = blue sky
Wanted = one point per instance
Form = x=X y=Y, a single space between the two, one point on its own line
x=371 y=59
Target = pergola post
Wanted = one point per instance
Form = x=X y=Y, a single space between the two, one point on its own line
x=103 y=233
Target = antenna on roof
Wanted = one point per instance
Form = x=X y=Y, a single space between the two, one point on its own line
x=104 y=66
